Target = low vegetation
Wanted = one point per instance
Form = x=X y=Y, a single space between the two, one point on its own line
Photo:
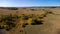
x=9 y=21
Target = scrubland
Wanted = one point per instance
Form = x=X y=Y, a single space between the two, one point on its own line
x=30 y=20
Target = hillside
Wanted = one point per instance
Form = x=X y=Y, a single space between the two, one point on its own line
x=51 y=23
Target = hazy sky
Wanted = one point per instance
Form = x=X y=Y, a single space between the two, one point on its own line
x=28 y=3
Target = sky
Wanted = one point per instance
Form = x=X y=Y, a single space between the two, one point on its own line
x=28 y=3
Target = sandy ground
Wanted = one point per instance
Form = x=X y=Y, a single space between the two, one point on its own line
x=51 y=23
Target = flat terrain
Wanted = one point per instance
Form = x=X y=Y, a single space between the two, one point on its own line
x=51 y=24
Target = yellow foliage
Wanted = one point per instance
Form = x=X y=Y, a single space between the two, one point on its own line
x=29 y=21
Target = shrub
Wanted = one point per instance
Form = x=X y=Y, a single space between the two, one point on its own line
x=36 y=22
x=1 y=27
x=12 y=8
x=9 y=21
x=24 y=25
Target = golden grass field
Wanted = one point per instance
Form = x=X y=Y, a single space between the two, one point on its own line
x=51 y=21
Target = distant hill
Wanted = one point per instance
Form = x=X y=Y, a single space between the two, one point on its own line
x=33 y=7
x=10 y=8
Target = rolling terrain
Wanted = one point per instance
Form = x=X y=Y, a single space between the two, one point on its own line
x=51 y=24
